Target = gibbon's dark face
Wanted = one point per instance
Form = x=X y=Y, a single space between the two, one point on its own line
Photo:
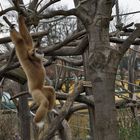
x=38 y=53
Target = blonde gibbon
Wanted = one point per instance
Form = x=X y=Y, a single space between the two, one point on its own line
x=31 y=62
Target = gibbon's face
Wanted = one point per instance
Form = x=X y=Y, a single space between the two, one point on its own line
x=39 y=54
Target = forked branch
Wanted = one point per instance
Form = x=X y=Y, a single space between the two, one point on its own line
x=63 y=113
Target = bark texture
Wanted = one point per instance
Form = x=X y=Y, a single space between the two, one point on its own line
x=102 y=68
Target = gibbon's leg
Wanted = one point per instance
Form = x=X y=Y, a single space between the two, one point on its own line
x=49 y=93
x=16 y=37
x=24 y=32
x=43 y=104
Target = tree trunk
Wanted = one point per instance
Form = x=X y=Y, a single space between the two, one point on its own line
x=105 y=112
x=103 y=62
x=24 y=116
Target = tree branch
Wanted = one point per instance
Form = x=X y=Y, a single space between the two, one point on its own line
x=33 y=5
x=19 y=95
x=121 y=41
x=75 y=108
x=67 y=51
x=11 y=67
x=47 y=5
x=3 y=69
x=7 y=10
x=64 y=111
x=81 y=98
x=126 y=44
x=59 y=13
x=65 y=42
x=73 y=62
x=18 y=8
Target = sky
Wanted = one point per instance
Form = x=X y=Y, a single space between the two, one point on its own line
x=69 y=3
x=131 y=6
x=126 y=5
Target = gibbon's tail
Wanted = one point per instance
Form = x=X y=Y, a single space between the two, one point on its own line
x=43 y=104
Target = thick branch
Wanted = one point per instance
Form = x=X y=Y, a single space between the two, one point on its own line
x=73 y=62
x=8 y=67
x=18 y=7
x=67 y=51
x=81 y=98
x=62 y=96
x=3 y=69
x=121 y=41
x=33 y=4
x=126 y=44
x=65 y=42
x=7 y=10
x=4 y=56
x=58 y=13
x=11 y=67
x=34 y=35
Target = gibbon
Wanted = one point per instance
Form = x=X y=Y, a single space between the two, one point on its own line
x=31 y=62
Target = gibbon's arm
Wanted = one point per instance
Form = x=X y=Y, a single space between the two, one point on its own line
x=24 y=32
x=16 y=37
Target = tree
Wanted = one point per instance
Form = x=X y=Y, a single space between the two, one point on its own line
x=102 y=63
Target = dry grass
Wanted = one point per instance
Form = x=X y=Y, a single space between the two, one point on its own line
x=8 y=126
x=79 y=126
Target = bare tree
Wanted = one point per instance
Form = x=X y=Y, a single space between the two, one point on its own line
x=101 y=63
